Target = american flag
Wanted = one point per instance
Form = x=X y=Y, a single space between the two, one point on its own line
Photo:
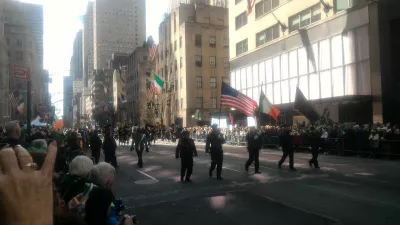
x=150 y=88
x=231 y=98
x=13 y=100
x=153 y=51
x=250 y=5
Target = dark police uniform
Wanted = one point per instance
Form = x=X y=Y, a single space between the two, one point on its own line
x=214 y=143
x=286 y=142
x=185 y=150
x=254 y=144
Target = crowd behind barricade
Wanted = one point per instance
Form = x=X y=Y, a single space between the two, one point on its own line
x=342 y=139
x=81 y=185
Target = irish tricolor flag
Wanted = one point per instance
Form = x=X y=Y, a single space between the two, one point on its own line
x=21 y=106
x=158 y=83
x=266 y=107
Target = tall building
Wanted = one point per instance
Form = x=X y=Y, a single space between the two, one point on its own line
x=76 y=64
x=118 y=26
x=4 y=115
x=22 y=55
x=173 y=4
x=33 y=14
x=101 y=86
x=341 y=53
x=87 y=35
x=193 y=60
x=139 y=67
x=67 y=103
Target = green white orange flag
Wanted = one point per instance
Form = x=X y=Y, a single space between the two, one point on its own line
x=21 y=106
x=158 y=83
x=265 y=106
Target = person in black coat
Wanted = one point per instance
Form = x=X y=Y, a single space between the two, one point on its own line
x=185 y=150
x=254 y=144
x=95 y=146
x=286 y=142
x=109 y=147
x=214 y=143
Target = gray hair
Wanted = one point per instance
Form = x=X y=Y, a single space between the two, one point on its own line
x=102 y=173
x=39 y=143
x=81 y=166
x=11 y=127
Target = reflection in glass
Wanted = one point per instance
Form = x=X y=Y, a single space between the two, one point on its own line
x=270 y=93
x=349 y=47
x=237 y=77
x=268 y=70
x=326 y=84
x=277 y=93
x=249 y=76
x=256 y=94
x=303 y=85
x=324 y=54
x=337 y=55
x=277 y=69
x=284 y=66
x=315 y=53
x=293 y=63
x=293 y=84
x=255 y=75
x=365 y=78
x=243 y=78
x=303 y=69
x=350 y=83
x=285 y=91
x=232 y=78
x=261 y=67
x=337 y=82
x=314 y=86
x=362 y=43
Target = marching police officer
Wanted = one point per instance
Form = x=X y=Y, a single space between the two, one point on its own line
x=214 y=143
x=254 y=144
x=286 y=142
x=186 y=149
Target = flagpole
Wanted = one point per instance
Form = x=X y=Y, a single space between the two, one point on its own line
x=28 y=108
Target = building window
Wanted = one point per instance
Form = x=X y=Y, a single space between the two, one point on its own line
x=237 y=1
x=197 y=40
x=213 y=82
x=226 y=42
x=176 y=64
x=226 y=63
x=199 y=102
x=176 y=104
x=199 y=61
x=267 y=35
x=181 y=82
x=199 y=82
x=19 y=55
x=265 y=6
x=226 y=80
x=175 y=46
x=305 y=18
x=213 y=61
x=19 y=43
x=241 y=47
x=181 y=103
x=212 y=41
x=241 y=20
x=180 y=42
x=214 y=102
x=341 y=5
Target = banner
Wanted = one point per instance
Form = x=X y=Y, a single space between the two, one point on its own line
x=23 y=73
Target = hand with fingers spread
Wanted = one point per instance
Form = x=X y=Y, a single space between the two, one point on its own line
x=26 y=193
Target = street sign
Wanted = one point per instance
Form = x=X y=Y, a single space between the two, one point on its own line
x=21 y=72
x=77 y=86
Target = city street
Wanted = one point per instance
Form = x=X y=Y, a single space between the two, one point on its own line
x=345 y=191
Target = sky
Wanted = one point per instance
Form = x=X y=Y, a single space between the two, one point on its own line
x=62 y=20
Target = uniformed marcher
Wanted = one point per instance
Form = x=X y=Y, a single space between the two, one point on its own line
x=286 y=142
x=140 y=144
x=315 y=140
x=185 y=150
x=214 y=143
x=254 y=144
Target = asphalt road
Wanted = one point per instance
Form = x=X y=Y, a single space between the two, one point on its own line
x=345 y=191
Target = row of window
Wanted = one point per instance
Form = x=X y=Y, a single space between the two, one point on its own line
x=296 y=22
x=213 y=61
x=199 y=82
x=212 y=42
x=199 y=103
x=18 y=42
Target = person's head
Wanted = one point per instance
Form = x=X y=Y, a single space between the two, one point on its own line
x=81 y=166
x=214 y=128
x=72 y=139
x=185 y=134
x=39 y=143
x=97 y=207
x=252 y=129
x=13 y=130
x=103 y=174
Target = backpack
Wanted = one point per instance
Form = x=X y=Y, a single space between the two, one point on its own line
x=77 y=204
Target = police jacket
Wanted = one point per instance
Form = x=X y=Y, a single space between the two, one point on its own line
x=214 y=142
x=186 y=148
x=254 y=141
